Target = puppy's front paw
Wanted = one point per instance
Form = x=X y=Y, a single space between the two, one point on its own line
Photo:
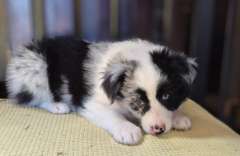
x=60 y=108
x=127 y=133
x=181 y=122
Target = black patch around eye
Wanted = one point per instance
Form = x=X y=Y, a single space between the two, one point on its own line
x=141 y=104
x=178 y=90
x=143 y=95
x=134 y=106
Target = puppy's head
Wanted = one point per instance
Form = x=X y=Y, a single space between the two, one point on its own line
x=151 y=89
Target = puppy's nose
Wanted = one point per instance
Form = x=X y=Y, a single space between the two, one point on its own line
x=158 y=129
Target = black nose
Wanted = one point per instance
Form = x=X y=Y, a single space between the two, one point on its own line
x=160 y=131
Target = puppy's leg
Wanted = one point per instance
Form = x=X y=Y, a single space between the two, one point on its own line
x=55 y=107
x=180 y=121
x=121 y=129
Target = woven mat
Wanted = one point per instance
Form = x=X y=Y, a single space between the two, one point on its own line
x=34 y=132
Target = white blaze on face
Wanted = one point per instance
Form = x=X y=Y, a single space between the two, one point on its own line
x=157 y=115
x=148 y=78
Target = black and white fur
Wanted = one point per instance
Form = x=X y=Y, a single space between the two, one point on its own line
x=111 y=84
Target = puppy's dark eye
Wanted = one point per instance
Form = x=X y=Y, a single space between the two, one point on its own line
x=165 y=96
x=140 y=102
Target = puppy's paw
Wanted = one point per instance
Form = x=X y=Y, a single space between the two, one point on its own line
x=181 y=122
x=60 y=108
x=127 y=133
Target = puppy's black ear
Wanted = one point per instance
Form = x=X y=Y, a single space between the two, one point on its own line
x=115 y=76
x=175 y=63
x=192 y=70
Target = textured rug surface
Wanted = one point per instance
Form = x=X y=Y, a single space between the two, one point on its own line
x=34 y=132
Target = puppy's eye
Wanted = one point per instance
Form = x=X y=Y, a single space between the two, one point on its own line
x=165 y=96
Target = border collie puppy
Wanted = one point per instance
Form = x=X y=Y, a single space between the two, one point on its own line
x=112 y=84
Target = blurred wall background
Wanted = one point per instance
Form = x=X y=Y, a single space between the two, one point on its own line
x=206 y=29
